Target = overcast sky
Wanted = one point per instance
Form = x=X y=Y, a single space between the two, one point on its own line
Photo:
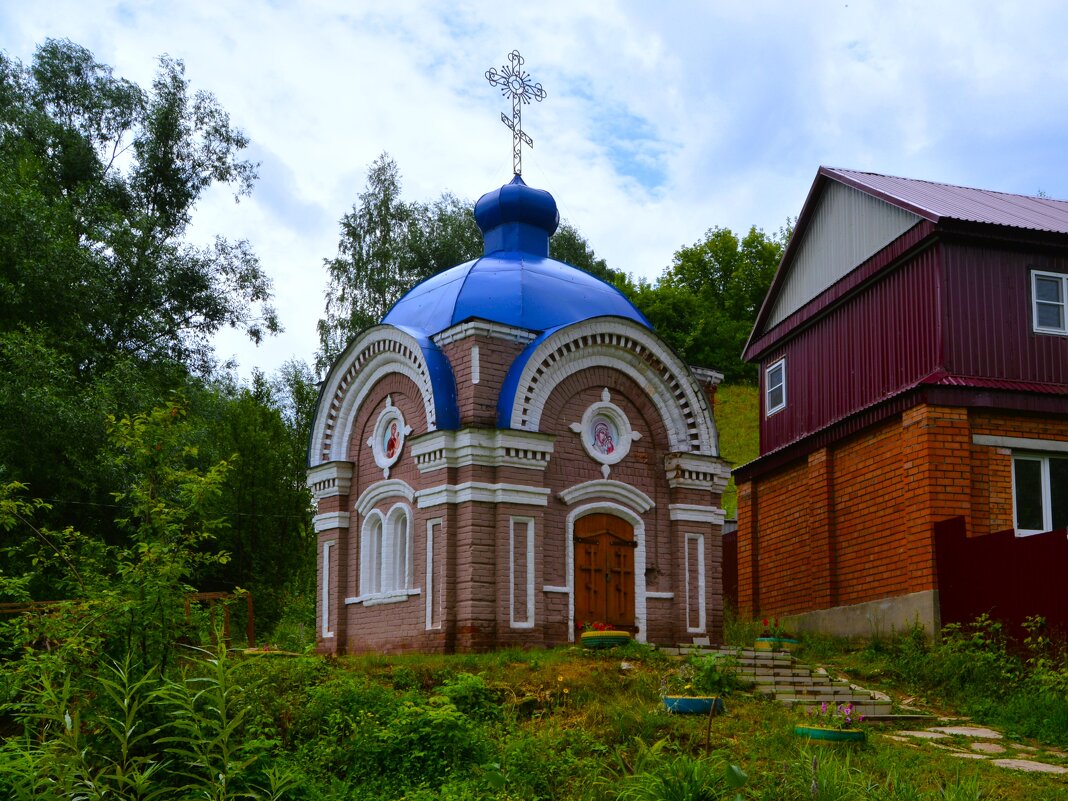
x=661 y=120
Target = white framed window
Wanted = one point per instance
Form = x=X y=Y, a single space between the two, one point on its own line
x=1040 y=492
x=371 y=554
x=397 y=553
x=775 y=387
x=386 y=555
x=1049 y=302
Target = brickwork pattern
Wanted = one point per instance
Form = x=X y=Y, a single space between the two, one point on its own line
x=472 y=555
x=477 y=403
x=853 y=523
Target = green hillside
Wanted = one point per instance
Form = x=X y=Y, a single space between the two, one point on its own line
x=737 y=415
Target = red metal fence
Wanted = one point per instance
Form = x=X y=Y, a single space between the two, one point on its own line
x=1007 y=577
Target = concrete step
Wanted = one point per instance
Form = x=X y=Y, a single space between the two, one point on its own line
x=872 y=709
x=778 y=675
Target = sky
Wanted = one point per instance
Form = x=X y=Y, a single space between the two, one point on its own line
x=661 y=120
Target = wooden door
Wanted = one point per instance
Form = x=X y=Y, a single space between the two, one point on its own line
x=604 y=571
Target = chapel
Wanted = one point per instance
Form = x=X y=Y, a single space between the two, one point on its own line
x=513 y=454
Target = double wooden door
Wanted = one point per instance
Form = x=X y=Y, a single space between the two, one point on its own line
x=604 y=571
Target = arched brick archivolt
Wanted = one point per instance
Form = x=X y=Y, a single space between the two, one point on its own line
x=623 y=345
x=378 y=352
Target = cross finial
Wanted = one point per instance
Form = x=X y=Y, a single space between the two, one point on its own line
x=513 y=81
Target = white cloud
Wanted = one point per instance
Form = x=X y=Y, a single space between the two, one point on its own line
x=660 y=122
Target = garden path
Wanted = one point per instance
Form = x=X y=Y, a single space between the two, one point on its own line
x=980 y=742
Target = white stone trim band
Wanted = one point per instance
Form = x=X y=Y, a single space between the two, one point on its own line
x=1021 y=443
x=483 y=328
x=476 y=446
x=330 y=520
x=693 y=513
x=482 y=493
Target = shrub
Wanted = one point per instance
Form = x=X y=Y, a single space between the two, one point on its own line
x=472 y=696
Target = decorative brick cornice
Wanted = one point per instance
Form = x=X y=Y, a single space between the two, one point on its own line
x=329 y=479
x=617 y=344
x=696 y=471
x=483 y=328
x=694 y=513
x=483 y=447
x=330 y=520
x=478 y=492
x=378 y=352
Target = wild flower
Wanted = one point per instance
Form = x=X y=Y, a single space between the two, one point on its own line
x=774 y=629
x=829 y=716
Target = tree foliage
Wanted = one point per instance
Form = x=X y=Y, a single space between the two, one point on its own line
x=705 y=304
x=107 y=310
x=387 y=246
x=98 y=181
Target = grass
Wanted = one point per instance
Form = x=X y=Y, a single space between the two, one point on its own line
x=737 y=416
x=568 y=724
x=513 y=724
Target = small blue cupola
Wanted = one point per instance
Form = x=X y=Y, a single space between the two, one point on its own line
x=517 y=217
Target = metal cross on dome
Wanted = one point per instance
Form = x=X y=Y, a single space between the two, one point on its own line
x=513 y=81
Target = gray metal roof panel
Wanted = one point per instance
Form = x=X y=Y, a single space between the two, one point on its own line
x=944 y=201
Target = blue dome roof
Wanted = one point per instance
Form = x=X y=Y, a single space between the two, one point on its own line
x=515 y=283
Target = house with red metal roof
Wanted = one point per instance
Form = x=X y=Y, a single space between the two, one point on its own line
x=914 y=394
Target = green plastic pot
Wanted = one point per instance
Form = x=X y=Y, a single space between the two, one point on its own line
x=604 y=639
x=830 y=735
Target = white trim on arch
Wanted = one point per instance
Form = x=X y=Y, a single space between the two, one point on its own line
x=378 y=352
x=635 y=351
x=607 y=488
x=381 y=491
x=635 y=520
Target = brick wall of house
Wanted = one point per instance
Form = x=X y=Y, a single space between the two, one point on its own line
x=853 y=522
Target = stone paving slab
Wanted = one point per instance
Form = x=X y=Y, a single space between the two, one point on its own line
x=988 y=748
x=1029 y=765
x=969 y=731
x=924 y=735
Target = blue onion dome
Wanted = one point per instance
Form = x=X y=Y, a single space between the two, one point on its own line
x=515 y=283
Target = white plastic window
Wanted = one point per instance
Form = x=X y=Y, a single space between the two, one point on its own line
x=775 y=388
x=1040 y=492
x=1049 y=299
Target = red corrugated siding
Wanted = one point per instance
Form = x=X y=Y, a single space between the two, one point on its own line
x=988 y=316
x=883 y=339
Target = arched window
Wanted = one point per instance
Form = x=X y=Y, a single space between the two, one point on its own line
x=386 y=553
x=396 y=561
x=371 y=554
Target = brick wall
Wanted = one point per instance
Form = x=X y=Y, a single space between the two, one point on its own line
x=473 y=585
x=477 y=403
x=853 y=522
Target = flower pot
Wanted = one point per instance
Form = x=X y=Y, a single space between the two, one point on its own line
x=776 y=644
x=604 y=639
x=691 y=705
x=830 y=735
